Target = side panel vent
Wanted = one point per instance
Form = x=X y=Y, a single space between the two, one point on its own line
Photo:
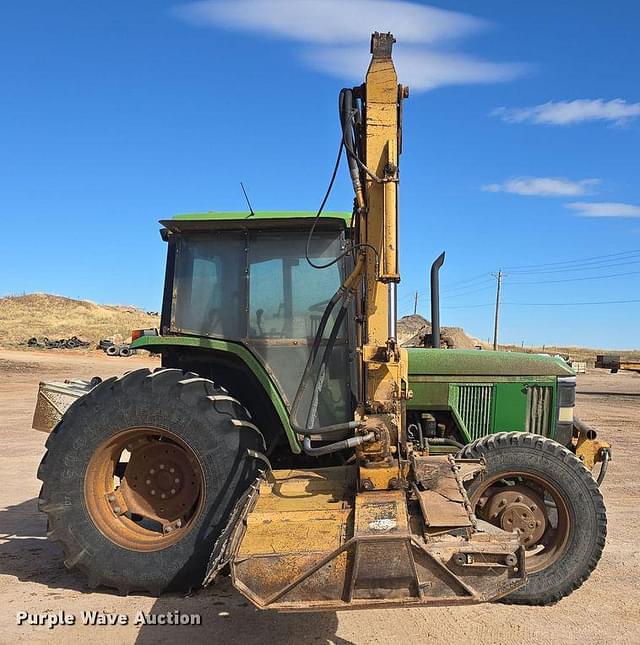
x=474 y=407
x=539 y=409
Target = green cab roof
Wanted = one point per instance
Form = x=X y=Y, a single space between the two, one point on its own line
x=225 y=216
x=473 y=362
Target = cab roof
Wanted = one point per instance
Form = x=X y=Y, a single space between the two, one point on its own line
x=231 y=219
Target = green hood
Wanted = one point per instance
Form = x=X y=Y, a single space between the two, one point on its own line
x=473 y=362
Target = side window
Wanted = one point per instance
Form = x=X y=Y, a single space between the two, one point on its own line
x=209 y=285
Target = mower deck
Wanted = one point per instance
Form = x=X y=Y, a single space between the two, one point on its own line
x=307 y=541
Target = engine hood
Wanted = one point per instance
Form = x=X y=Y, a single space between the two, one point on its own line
x=473 y=362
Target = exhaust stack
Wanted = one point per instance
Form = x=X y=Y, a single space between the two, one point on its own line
x=435 y=301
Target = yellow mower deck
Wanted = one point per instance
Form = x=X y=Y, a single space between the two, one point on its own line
x=307 y=541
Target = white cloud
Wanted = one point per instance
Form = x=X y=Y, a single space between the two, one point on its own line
x=544 y=186
x=334 y=35
x=616 y=111
x=334 y=20
x=605 y=209
x=418 y=68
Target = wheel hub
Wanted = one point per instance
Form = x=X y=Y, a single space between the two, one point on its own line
x=518 y=509
x=159 y=481
x=144 y=488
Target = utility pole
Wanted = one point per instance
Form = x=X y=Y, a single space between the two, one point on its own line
x=499 y=277
x=415 y=304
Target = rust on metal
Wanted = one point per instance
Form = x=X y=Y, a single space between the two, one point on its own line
x=143 y=489
x=308 y=541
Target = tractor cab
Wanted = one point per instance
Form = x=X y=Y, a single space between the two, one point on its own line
x=246 y=280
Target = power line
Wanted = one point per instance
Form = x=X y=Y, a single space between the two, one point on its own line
x=591 y=277
x=544 y=304
x=578 y=268
x=573 y=261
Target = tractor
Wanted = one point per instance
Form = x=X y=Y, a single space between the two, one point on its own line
x=288 y=439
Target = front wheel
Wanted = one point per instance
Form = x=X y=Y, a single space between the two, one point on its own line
x=537 y=488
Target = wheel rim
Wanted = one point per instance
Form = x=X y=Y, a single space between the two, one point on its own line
x=144 y=489
x=531 y=506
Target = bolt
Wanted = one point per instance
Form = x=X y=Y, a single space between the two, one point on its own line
x=152 y=471
x=367 y=484
x=176 y=480
x=518 y=499
x=538 y=523
x=172 y=470
x=173 y=491
x=116 y=510
x=161 y=466
x=163 y=496
x=168 y=529
x=502 y=502
x=533 y=507
x=153 y=492
x=112 y=498
x=178 y=523
x=511 y=560
x=148 y=481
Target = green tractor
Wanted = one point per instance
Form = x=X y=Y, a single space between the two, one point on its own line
x=289 y=438
x=240 y=309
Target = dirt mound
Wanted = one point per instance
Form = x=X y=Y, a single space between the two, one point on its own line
x=44 y=315
x=412 y=329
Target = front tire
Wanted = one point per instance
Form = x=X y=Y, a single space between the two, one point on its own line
x=537 y=487
x=141 y=475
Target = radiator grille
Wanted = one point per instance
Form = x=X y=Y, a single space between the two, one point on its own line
x=538 y=409
x=474 y=407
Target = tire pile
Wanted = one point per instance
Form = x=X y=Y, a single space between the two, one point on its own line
x=63 y=343
x=112 y=349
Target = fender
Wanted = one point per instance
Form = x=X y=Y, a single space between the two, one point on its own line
x=156 y=343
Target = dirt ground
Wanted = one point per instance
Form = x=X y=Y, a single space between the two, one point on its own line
x=33 y=578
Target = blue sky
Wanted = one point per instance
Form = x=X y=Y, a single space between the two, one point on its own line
x=521 y=145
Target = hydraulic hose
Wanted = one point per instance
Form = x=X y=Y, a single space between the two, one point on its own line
x=345 y=291
x=352 y=442
x=444 y=441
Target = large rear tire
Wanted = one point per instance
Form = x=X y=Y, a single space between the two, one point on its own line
x=141 y=475
x=537 y=487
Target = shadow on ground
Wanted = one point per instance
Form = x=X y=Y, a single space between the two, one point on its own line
x=226 y=616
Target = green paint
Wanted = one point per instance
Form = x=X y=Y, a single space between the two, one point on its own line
x=152 y=343
x=461 y=362
x=262 y=215
x=510 y=407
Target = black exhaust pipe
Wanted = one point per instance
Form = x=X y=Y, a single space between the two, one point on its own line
x=435 y=301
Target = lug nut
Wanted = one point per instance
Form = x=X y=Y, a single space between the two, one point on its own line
x=533 y=507
x=161 y=466
x=153 y=492
x=148 y=481
x=172 y=470
x=163 y=496
x=518 y=499
x=176 y=480
x=152 y=471
x=173 y=491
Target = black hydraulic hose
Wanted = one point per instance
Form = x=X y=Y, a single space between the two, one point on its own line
x=326 y=356
x=346 y=111
x=345 y=444
x=606 y=458
x=444 y=441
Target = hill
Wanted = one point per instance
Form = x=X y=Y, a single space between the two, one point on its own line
x=41 y=314
x=411 y=330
